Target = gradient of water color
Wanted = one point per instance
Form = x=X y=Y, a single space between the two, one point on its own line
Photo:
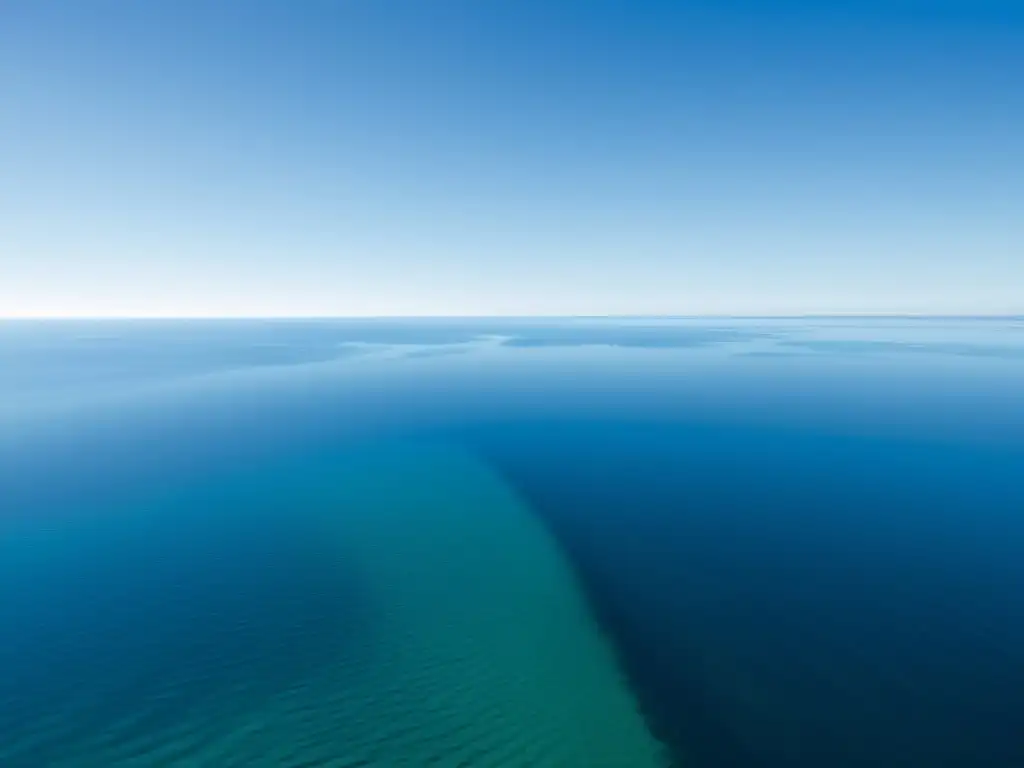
x=498 y=542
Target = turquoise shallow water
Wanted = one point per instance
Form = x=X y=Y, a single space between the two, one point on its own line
x=393 y=604
x=490 y=543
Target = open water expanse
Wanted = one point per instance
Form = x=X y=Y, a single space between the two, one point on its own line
x=502 y=543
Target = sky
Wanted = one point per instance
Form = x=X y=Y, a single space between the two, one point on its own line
x=510 y=157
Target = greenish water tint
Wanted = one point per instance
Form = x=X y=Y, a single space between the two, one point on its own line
x=759 y=543
x=795 y=597
x=390 y=605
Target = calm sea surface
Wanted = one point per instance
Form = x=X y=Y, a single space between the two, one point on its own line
x=492 y=542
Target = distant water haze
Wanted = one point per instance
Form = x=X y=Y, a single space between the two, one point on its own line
x=585 y=541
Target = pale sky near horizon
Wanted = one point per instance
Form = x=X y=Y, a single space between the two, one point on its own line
x=555 y=157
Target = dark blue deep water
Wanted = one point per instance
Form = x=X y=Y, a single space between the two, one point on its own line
x=802 y=541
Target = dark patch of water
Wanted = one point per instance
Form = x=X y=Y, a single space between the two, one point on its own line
x=787 y=597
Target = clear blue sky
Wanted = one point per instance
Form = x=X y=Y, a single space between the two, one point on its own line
x=379 y=157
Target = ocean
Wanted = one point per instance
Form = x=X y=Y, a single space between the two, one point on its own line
x=506 y=542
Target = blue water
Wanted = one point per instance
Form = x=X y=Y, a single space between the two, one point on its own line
x=786 y=598
x=803 y=538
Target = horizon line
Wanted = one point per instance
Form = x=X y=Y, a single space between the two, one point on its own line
x=623 y=316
